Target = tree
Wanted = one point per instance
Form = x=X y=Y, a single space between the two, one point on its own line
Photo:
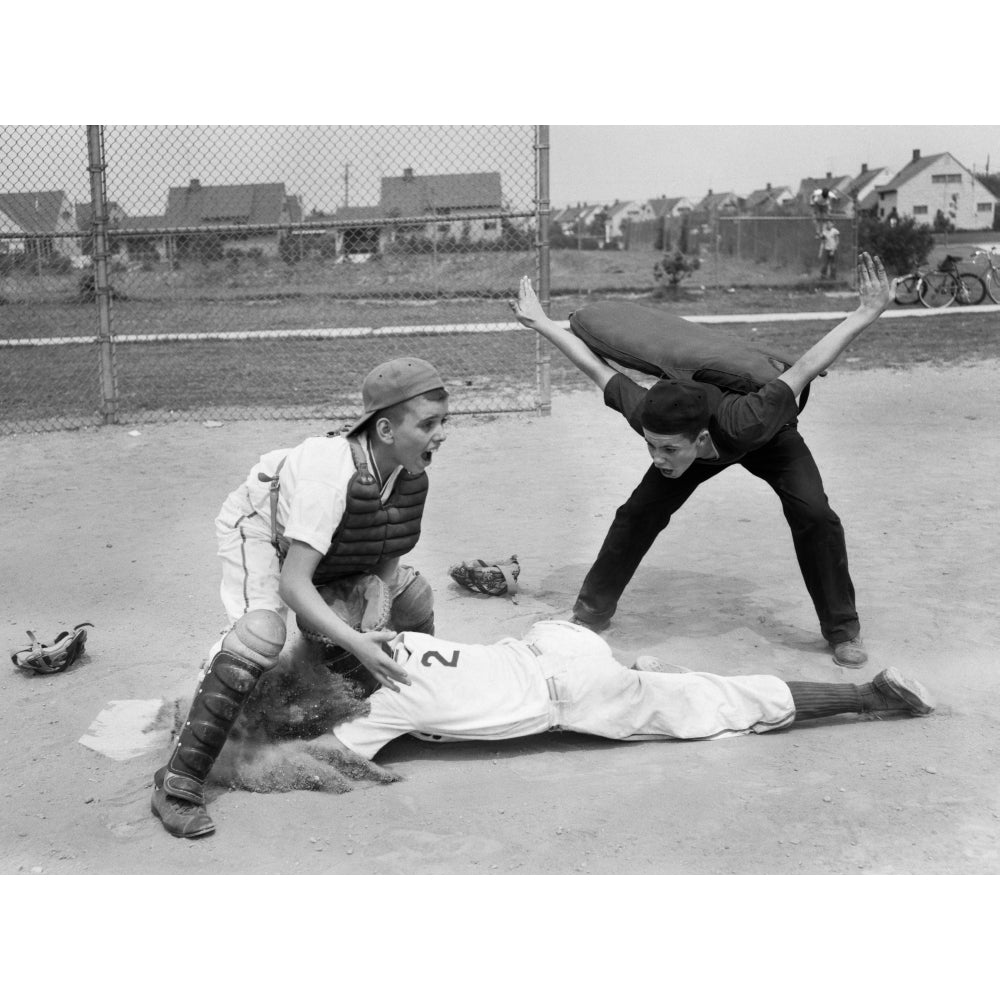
x=942 y=224
x=902 y=246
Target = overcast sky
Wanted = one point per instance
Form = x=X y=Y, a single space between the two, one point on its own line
x=588 y=163
x=604 y=163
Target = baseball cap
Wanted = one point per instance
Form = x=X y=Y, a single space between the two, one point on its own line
x=674 y=407
x=394 y=382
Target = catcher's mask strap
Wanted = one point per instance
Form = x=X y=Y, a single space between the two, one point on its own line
x=506 y=570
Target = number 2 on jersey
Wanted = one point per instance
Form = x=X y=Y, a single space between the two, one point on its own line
x=433 y=654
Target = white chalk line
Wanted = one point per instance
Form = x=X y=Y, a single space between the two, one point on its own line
x=337 y=333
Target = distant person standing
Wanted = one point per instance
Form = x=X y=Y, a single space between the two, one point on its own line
x=829 y=243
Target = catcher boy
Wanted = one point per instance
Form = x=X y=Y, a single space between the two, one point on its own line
x=329 y=509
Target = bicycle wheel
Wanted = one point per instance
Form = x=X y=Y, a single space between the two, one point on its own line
x=938 y=289
x=972 y=292
x=906 y=290
x=993 y=285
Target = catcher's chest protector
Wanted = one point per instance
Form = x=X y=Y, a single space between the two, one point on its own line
x=371 y=530
x=658 y=343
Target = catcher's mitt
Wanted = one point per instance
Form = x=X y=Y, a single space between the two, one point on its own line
x=363 y=601
x=54 y=658
x=495 y=578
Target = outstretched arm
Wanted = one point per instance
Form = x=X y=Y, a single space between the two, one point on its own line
x=876 y=291
x=529 y=313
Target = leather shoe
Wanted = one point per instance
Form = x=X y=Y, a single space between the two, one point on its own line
x=850 y=653
x=179 y=817
x=902 y=694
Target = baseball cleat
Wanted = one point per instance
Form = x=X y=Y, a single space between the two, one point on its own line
x=179 y=817
x=896 y=688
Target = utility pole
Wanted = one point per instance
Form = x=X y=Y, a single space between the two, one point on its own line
x=347 y=184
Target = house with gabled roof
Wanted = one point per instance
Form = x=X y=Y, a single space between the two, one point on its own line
x=928 y=185
x=862 y=189
x=564 y=219
x=619 y=214
x=768 y=200
x=575 y=219
x=669 y=208
x=719 y=203
x=35 y=220
x=463 y=206
x=253 y=214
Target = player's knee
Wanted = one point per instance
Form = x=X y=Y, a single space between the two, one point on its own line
x=258 y=636
x=413 y=609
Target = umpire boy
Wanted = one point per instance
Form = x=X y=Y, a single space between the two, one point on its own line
x=694 y=431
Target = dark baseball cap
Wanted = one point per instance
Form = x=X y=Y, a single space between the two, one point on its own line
x=395 y=382
x=675 y=407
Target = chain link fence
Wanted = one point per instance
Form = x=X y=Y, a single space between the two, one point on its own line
x=153 y=273
x=745 y=249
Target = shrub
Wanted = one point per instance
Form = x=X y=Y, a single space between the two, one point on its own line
x=674 y=268
x=902 y=246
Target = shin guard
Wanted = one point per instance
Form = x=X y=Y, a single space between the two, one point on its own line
x=249 y=650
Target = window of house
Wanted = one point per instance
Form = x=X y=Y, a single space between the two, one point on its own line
x=984 y=206
x=444 y=228
x=946 y=178
x=919 y=209
x=489 y=225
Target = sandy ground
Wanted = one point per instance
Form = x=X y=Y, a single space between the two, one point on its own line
x=115 y=527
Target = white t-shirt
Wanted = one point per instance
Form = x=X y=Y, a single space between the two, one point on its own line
x=313 y=495
x=458 y=692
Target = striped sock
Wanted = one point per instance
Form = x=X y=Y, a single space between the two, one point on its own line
x=816 y=700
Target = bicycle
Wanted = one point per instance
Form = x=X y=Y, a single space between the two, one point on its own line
x=990 y=277
x=937 y=289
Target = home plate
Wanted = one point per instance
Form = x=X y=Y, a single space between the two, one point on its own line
x=127 y=729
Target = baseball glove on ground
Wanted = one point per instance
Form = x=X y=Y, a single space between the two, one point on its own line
x=55 y=658
x=495 y=578
x=363 y=601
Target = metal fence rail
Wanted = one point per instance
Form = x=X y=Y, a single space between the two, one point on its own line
x=153 y=273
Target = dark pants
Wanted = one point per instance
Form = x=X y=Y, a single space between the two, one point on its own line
x=787 y=466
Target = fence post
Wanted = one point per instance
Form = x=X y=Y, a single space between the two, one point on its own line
x=543 y=212
x=102 y=286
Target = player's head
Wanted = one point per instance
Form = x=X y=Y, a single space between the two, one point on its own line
x=405 y=409
x=674 y=419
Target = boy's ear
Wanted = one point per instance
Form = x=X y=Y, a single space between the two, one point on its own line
x=383 y=428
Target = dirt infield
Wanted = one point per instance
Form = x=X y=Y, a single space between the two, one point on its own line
x=114 y=526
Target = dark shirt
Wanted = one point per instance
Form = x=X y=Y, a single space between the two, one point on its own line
x=738 y=423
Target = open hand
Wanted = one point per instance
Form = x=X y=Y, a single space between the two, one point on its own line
x=874 y=287
x=526 y=307
x=381 y=665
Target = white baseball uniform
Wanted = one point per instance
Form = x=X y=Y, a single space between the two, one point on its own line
x=559 y=676
x=312 y=500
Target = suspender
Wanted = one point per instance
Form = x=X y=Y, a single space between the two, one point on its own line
x=360 y=461
x=273 y=496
